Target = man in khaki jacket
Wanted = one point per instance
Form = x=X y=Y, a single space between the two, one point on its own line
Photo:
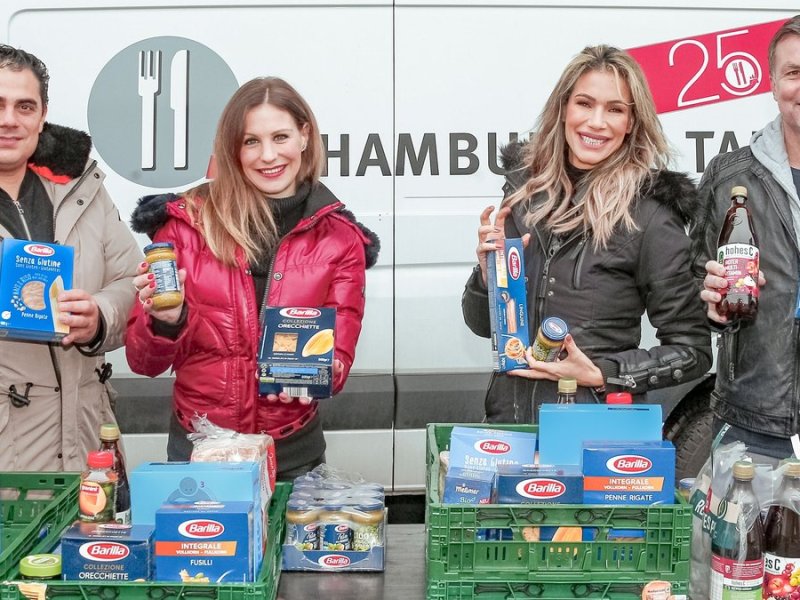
x=54 y=397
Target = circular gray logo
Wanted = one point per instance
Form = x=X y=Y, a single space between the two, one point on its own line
x=154 y=107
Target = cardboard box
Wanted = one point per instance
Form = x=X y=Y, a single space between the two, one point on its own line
x=539 y=484
x=32 y=274
x=467 y=486
x=483 y=449
x=508 y=306
x=563 y=428
x=205 y=542
x=106 y=552
x=296 y=351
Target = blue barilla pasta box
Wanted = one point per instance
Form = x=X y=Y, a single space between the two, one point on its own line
x=508 y=306
x=539 y=484
x=482 y=448
x=205 y=542
x=107 y=552
x=296 y=351
x=32 y=274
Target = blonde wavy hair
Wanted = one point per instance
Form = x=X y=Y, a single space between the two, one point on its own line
x=230 y=211
x=612 y=186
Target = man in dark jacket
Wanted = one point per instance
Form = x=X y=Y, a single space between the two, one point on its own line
x=757 y=389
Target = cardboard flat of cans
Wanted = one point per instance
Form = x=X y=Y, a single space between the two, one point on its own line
x=468 y=486
x=480 y=448
x=296 y=351
x=508 y=306
x=539 y=484
x=32 y=274
x=106 y=552
x=205 y=542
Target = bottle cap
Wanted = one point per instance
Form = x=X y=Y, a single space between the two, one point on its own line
x=792 y=467
x=40 y=566
x=619 y=398
x=567 y=385
x=739 y=190
x=109 y=432
x=100 y=460
x=744 y=470
x=686 y=483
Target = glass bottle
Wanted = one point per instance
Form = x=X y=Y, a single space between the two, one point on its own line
x=737 y=543
x=737 y=251
x=782 y=538
x=567 y=390
x=109 y=442
x=98 y=490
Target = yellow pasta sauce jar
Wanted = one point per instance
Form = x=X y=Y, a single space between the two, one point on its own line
x=163 y=264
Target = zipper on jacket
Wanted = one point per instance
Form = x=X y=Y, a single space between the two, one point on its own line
x=623 y=380
x=22 y=218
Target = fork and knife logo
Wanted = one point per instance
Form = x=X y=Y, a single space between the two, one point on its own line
x=149 y=80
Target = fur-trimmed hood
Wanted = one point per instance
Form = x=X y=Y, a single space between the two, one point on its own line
x=670 y=188
x=62 y=151
x=151 y=214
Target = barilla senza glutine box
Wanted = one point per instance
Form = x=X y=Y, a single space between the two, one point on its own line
x=483 y=449
x=107 y=552
x=508 y=306
x=539 y=484
x=205 y=542
x=468 y=486
x=32 y=274
x=633 y=472
x=296 y=351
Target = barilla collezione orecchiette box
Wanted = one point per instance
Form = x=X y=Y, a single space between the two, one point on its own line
x=296 y=351
x=483 y=449
x=508 y=306
x=32 y=274
x=107 y=552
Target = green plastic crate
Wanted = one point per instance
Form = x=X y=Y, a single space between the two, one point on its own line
x=266 y=587
x=34 y=508
x=607 y=590
x=455 y=549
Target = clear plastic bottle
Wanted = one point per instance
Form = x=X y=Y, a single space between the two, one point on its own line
x=737 y=543
x=98 y=490
x=109 y=442
x=782 y=538
x=567 y=390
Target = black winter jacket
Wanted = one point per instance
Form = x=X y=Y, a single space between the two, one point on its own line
x=602 y=295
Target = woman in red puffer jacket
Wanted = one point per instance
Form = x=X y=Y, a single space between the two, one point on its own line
x=264 y=232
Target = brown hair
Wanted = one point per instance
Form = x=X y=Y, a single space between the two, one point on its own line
x=233 y=213
x=791 y=27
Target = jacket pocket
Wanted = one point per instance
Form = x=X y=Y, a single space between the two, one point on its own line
x=578 y=254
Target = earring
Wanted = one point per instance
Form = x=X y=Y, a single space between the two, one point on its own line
x=303 y=149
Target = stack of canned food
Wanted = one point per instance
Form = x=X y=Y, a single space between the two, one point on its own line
x=335 y=515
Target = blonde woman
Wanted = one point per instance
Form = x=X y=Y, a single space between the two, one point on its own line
x=604 y=225
x=264 y=232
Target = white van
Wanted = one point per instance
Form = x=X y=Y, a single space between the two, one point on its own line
x=414 y=99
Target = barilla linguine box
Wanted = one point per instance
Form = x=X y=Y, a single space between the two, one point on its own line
x=468 y=486
x=205 y=542
x=154 y=484
x=539 y=484
x=630 y=472
x=32 y=274
x=563 y=428
x=483 y=449
x=296 y=351
x=106 y=552
x=508 y=306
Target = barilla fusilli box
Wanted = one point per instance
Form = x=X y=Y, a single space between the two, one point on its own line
x=295 y=354
x=468 y=486
x=32 y=274
x=508 y=306
x=107 y=552
x=539 y=484
x=633 y=472
x=205 y=542
x=483 y=449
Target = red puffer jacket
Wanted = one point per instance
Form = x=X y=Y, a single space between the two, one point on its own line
x=321 y=262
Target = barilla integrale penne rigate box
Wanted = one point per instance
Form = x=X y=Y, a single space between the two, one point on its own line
x=205 y=542
x=468 y=486
x=107 y=552
x=32 y=274
x=539 y=484
x=508 y=306
x=633 y=472
x=483 y=449
x=296 y=351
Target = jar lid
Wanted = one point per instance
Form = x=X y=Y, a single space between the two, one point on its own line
x=158 y=246
x=99 y=460
x=619 y=398
x=686 y=483
x=109 y=432
x=40 y=565
x=554 y=328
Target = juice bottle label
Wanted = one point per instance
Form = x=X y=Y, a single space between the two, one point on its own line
x=736 y=579
x=95 y=501
x=741 y=268
x=781 y=577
